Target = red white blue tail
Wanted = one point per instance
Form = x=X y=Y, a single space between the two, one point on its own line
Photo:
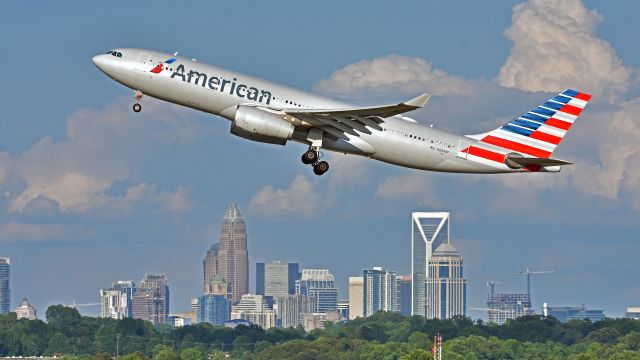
x=534 y=134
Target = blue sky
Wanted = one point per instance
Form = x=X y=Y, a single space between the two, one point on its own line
x=92 y=193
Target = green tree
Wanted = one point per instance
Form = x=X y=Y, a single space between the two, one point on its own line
x=134 y=356
x=162 y=352
x=217 y=355
x=102 y=356
x=192 y=353
x=59 y=344
x=417 y=354
x=419 y=340
x=62 y=317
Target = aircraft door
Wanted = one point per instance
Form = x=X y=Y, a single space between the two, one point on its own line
x=463 y=149
x=143 y=62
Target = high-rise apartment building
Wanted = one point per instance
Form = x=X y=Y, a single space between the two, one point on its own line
x=214 y=309
x=404 y=294
x=445 y=284
x=428 y=231
x=276 y=278
x=129 y=288
x=114 y=304
x=356 y=297
x=26 y=310
x=508 y=306
x=380 y=291
x=5 y=289
x=233 y=258
x=210 y=267
x=151 y=299
x=319 y=286
x=291 y=310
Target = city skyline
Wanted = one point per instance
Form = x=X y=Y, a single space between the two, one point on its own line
x=93 y=192
x=433 y=228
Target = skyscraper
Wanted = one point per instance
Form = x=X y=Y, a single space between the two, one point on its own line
x=129 y=288
x=114 y=304
x=356 y=297
x=151 y=299
x=5 y=289
x=26 y=310
x=404 y=294
x=210 y=266
x=291 y=310
x=380 y=291
x=276 y=278
x=319 y=286
x=508 y=306
x=428 y=231
x=215 y=306
x=446 y=285
x=233 y=258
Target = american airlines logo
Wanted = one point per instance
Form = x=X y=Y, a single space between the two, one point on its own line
x=232 y=87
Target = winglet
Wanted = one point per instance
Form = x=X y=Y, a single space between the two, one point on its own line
x=419 y=101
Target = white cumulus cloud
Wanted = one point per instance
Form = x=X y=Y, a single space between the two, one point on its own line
x=555 y=47
x=96 y=167
x=416 y=185
x=299 y=199
x=392 y=74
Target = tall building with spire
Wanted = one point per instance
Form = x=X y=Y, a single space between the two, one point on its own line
x=5 y=290
x=428 y=231
x=233 y=258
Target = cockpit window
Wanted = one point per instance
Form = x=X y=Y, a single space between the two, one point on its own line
x=119 y=54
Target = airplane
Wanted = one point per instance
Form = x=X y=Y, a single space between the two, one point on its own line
x=268 y=112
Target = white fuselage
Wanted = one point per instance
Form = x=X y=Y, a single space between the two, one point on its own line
x=218 y=91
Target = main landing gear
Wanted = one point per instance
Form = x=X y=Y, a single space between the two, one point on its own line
x=137 y=107
x=311 y=157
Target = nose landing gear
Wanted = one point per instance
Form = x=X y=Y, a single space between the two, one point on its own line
x=311 y=157
x=137 y=107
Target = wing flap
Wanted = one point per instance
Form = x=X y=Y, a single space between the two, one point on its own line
x=350 y=120
x=517 y=162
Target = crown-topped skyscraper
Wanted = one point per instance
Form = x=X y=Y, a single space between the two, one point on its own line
x=233 y=258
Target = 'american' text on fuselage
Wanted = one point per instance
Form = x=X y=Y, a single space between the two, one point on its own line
x=222 y=85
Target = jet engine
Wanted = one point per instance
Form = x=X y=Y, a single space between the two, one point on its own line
x=262 y=126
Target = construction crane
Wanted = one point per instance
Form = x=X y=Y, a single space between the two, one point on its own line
x=492 y=284
x=529 y=273
x=489 y=310
x=74 y=305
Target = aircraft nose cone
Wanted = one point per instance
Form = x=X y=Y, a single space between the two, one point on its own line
x=100 y=61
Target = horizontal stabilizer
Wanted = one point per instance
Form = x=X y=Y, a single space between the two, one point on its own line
x=517 y=161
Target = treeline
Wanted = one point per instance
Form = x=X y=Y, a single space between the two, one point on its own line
x=382 y=336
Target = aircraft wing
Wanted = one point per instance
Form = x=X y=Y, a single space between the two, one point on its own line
x=340 y=121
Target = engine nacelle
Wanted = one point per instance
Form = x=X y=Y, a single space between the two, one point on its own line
x=262 y=126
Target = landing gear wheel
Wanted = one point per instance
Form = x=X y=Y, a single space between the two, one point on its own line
x=137 y=107
x=310 y=157
x=321 y=168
